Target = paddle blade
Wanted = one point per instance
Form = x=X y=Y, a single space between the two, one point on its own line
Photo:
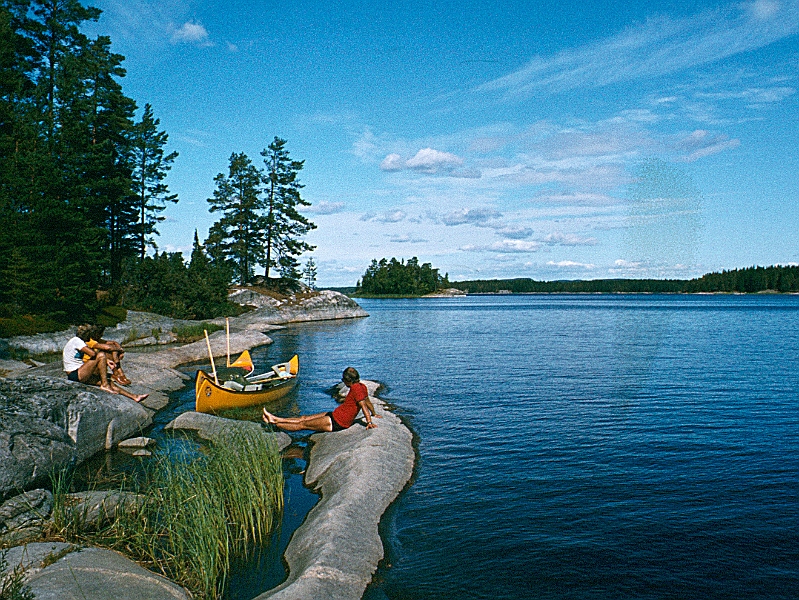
x=244 y=361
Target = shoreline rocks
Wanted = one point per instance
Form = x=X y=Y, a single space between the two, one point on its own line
x=358 y=474
x=70 y=422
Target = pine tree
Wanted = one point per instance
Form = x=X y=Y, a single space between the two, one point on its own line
x=150 y=167
x=238 y=238
x=309 y=273
x=284 y=224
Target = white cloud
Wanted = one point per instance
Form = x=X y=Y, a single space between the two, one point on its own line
x=191 y=32
x=568 y=239
x=391 y=216
x=515 y=246
x=516 y=232
x=570 y=264
x=627 y=264
x=326 y=208
x=472 y=216
x=407 y=239
x=659 y=46
x=701 y=143
x=392 y=162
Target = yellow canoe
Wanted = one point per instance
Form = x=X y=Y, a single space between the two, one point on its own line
x=260 y=389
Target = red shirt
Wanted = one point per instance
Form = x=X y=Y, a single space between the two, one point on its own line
x=346 y=412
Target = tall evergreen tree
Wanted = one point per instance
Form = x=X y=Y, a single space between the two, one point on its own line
x=284 y=224
x=150 y=167
x=238 y=236
x=309 y=273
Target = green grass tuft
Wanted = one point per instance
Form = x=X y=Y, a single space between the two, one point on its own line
x=199 y=512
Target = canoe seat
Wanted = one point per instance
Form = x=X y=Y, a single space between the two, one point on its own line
x=282 y=370
x=233 y=385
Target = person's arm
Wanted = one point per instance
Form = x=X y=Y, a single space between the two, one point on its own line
x=372 y=408
x=108 y=346
x=364 y=404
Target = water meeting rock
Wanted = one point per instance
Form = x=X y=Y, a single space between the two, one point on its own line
x=358 y=473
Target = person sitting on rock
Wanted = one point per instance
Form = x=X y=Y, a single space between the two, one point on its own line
x=337 y=420
x=95 y=370
x=113 y=350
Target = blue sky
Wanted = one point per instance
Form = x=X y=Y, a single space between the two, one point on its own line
x=552 y=140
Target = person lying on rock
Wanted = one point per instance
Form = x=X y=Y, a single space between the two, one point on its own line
x=113 y=350
x=337 y=420
x=95 y=370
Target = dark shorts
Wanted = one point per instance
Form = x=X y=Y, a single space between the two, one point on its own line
x=73 y=376
x=336 y=426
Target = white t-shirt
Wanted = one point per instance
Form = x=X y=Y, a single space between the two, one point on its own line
x=73 y=357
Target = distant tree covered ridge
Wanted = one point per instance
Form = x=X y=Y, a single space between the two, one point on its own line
x=400 y=278
x=749 y=280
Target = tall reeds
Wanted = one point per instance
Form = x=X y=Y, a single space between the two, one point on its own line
x=200 y=511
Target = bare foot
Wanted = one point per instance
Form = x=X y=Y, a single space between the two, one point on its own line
x=140 y=397
x=109 y=389
x=269 y=418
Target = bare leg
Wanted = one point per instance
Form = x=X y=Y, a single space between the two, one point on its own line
x=127 y=394
x=96 y=370
x=316 y=422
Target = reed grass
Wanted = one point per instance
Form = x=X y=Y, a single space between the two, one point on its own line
x=200 y=512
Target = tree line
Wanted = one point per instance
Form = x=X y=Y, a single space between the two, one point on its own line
x=748 y=280
x=396 y=277
x=83 y=182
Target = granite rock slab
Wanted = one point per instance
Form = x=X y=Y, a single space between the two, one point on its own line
x=358 y=473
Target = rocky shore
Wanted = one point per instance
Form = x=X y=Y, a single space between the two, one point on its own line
x=48 y=423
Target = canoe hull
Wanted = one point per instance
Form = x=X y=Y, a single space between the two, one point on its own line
x=210 y=397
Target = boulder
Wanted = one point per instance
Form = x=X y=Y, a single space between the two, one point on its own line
x=98 y=574
x=136 y=442
x=47 y=423
x=32 y=558
x=23 y=517
x=211 y=427
x=93 y=508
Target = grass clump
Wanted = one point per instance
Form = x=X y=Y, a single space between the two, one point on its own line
x=191 y=333
x=12 y=586
x=198 y=511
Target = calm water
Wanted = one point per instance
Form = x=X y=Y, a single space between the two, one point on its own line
x=581 y=446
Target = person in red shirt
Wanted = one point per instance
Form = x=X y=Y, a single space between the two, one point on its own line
x=337 y=420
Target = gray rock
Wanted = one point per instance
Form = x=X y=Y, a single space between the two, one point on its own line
x=9 y=368
x=248 y=297
x=319 y=306
x=94 y=508
x=136 y=442
x=23 y=517
x=211 y=427
x=358 y=473
x=48 y=423
x=34 y=557
x=100 y=574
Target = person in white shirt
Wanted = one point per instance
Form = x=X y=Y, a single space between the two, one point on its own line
x=95 y=370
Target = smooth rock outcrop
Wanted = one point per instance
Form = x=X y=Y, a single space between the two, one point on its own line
x=358 y=473
x=96 y=573
x=211 y=427
x=320 y=306
x=48 y=423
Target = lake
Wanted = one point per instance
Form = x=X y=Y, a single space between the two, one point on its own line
x=580 y=446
